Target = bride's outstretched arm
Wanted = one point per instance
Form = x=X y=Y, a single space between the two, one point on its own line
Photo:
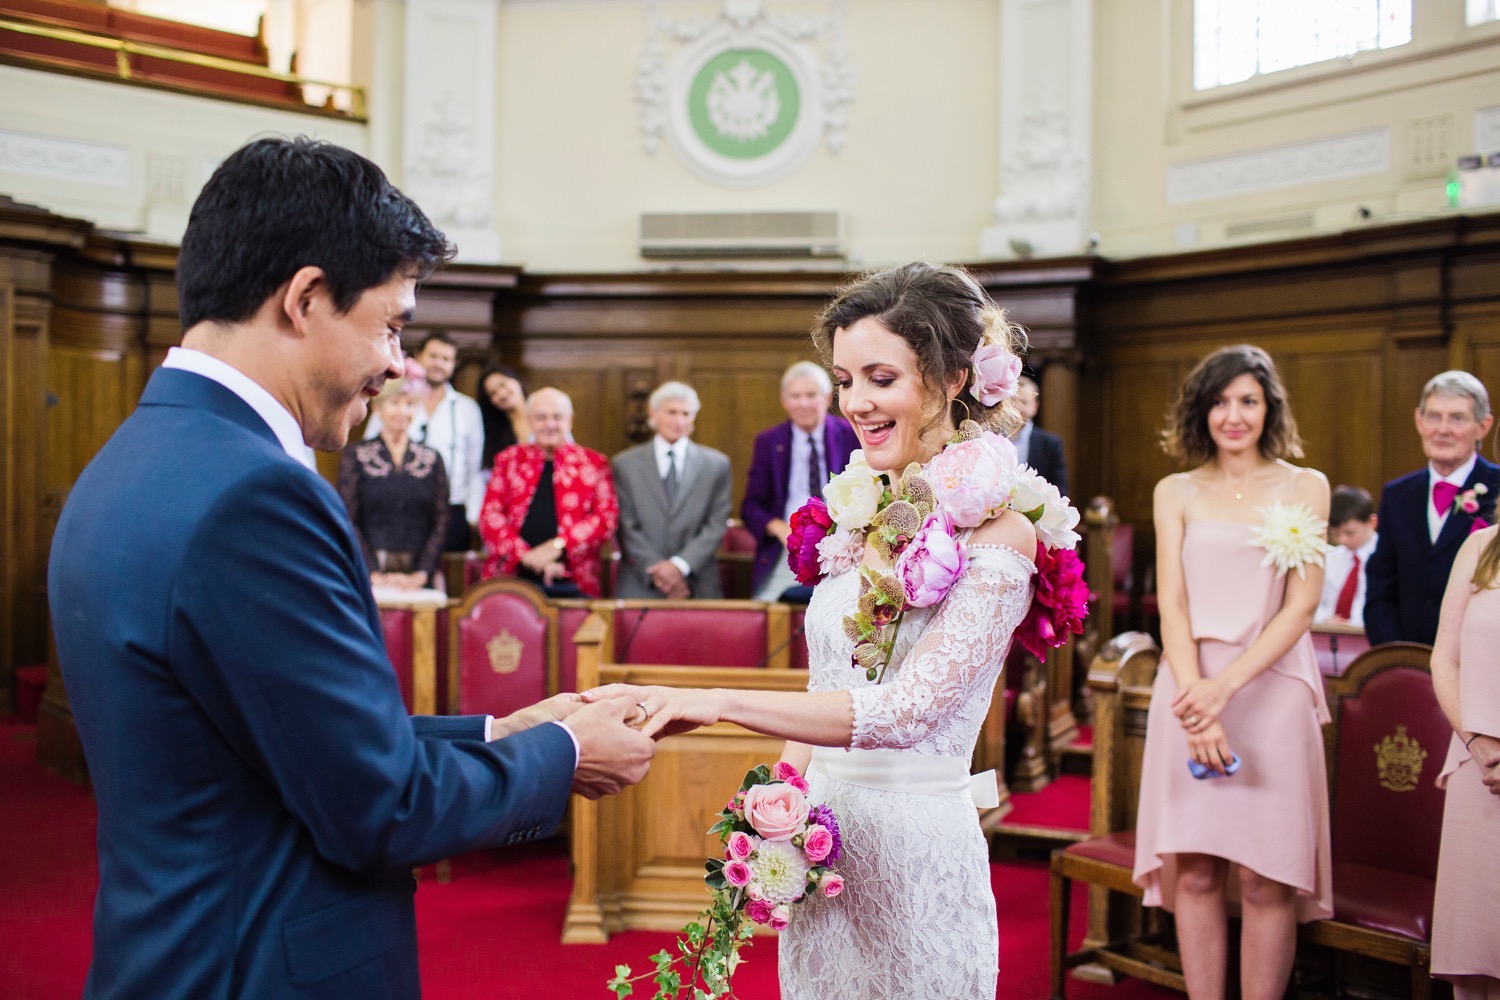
x=820 y=718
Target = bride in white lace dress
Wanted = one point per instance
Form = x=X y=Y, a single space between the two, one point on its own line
x=889 y=751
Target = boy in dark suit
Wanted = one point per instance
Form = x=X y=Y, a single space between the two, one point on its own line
x=1426 y=515
x=262 y=793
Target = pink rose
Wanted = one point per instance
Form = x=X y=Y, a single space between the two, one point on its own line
x=759 y=911
x=932 y=563
x=780 y=918
x=786 y=772
x=737 y=873
x=736 y=804
x=1470 y=505
x=996 y=374
x=777 y=811
x=810 y=525
x=1060 y=604
x=973 y=478
x=817 y=843
x=831 y=884
x=739 y=846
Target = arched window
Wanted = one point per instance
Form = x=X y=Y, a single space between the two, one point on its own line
x=1234 y=40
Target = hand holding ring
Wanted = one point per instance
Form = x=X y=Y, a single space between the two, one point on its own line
x=645 y=713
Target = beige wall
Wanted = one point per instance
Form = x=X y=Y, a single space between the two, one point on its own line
x=916 y=177
x=127 y=157
x=1148 y=119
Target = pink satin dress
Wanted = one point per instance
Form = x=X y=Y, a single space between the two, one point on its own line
x=1272 y=815
x=1466 y=917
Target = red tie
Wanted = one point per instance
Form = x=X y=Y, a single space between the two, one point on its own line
x=1345 y=605
x=1442 y=496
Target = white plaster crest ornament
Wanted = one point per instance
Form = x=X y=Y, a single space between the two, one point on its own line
x=444 y=175
x=1041 y=177
x=743 y=97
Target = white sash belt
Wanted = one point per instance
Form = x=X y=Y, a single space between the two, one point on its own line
x=907 y=772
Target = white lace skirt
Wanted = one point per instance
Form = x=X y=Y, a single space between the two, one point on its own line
x=917 y=915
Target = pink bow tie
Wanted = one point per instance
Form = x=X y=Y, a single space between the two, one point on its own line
x=1442 y=496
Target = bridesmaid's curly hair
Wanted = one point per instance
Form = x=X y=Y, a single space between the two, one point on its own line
x=944 y=316
x=1186 y=437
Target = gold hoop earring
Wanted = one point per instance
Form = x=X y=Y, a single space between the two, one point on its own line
x=961 y=402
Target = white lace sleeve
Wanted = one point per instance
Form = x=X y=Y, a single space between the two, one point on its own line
x=937 y=699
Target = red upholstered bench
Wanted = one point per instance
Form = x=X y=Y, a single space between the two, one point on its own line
x=396 y=624
x=1385 y=748
x=503 y=635
x=571 y=613
x=691 y=633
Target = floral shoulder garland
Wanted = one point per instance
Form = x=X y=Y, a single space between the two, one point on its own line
x=913 y=526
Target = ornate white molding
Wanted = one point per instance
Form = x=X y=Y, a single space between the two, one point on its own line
x=772 y=95
x=449 y=112
x=64 y=159
x=1487 y=131
x=1046 y=140
x=1357 y=154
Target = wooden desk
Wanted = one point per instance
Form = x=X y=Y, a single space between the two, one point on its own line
x=424 y=606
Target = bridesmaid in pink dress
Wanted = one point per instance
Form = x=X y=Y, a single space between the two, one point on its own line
x=1466 y=676
x=1239 y=570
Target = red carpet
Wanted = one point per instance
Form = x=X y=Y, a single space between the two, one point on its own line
x=1063 y=804
x=489 y=934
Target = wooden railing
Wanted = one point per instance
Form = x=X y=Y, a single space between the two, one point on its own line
x=129 y=56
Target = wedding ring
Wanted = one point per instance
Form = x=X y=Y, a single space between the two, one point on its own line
x=645 y=713
x=1191 y=720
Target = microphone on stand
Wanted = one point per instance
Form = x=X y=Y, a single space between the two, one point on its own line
x=625 y=650
x=796 y=633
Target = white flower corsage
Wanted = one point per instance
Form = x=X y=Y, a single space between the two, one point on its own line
x=1292 y=537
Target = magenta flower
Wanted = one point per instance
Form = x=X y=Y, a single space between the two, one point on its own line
x=831 y=884
x=759 y=910
x=810 y=525
x=817 y=843
x=737 y=873
x=739 y=846
x=824 y=817
x=996 y=374
x=932 y=563
x=782 y=771
x=1060 y=604
x=780 y=918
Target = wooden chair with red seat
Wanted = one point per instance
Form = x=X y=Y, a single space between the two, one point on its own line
x=502 y=639
x=1387 y=743
x=737 y=561
x=1120 y=938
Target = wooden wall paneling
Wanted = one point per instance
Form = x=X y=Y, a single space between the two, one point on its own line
x=1338 y=402
x=14 y=579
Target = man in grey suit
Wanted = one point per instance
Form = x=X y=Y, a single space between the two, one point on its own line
x=674 y=504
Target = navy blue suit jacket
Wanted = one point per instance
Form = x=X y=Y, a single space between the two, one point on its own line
x=1044 y=453
x=770 y=477
x=1408 y=572
x=262 y=793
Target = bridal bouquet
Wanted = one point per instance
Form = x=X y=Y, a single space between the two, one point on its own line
x=779 y=850
x=913 y=526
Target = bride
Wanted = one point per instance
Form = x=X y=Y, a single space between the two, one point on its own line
x=915 y=350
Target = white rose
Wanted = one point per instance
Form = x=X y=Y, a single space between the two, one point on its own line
x=1029 y=492
x=1059 y=518
x=853 y=496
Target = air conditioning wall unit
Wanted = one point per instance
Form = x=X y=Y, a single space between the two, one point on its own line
x=742 y=234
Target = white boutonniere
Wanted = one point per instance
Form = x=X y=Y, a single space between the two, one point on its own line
x=1292 y=537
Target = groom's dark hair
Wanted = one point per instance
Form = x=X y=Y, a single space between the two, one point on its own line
x=278 y=205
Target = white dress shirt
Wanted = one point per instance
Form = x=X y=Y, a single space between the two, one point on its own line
x=1022 y=441
x=677 y=451
x=288 y=432
x=1336 y=568
x=1458 y=477
x=455 y=430
x=798 y=489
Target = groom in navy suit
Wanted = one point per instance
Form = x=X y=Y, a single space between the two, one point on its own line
x=1423 y=519
x=782 y=474
x=262 y=794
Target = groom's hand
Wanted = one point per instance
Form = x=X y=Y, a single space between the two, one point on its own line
x=611 y=755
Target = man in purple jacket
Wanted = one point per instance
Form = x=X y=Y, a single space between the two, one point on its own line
x=792 y=461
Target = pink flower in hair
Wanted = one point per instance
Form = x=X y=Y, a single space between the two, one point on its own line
x=996 y=374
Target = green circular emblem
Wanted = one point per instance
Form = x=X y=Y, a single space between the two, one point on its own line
x=743 y=103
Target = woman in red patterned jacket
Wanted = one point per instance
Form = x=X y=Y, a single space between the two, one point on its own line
x=550 y=506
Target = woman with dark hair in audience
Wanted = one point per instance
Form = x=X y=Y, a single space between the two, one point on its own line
x=550 y=506
x=1466 y=677
x=397 y=491
x=1233 y=813
x=502 y=406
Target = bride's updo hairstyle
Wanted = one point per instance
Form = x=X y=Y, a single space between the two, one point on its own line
x=944 y=316
x=1186 y=437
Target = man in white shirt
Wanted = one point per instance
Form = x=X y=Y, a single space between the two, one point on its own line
x=1351 y=525
x=449 y=423
x=674 y=504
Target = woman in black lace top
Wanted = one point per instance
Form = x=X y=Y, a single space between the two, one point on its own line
x=397 y=492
